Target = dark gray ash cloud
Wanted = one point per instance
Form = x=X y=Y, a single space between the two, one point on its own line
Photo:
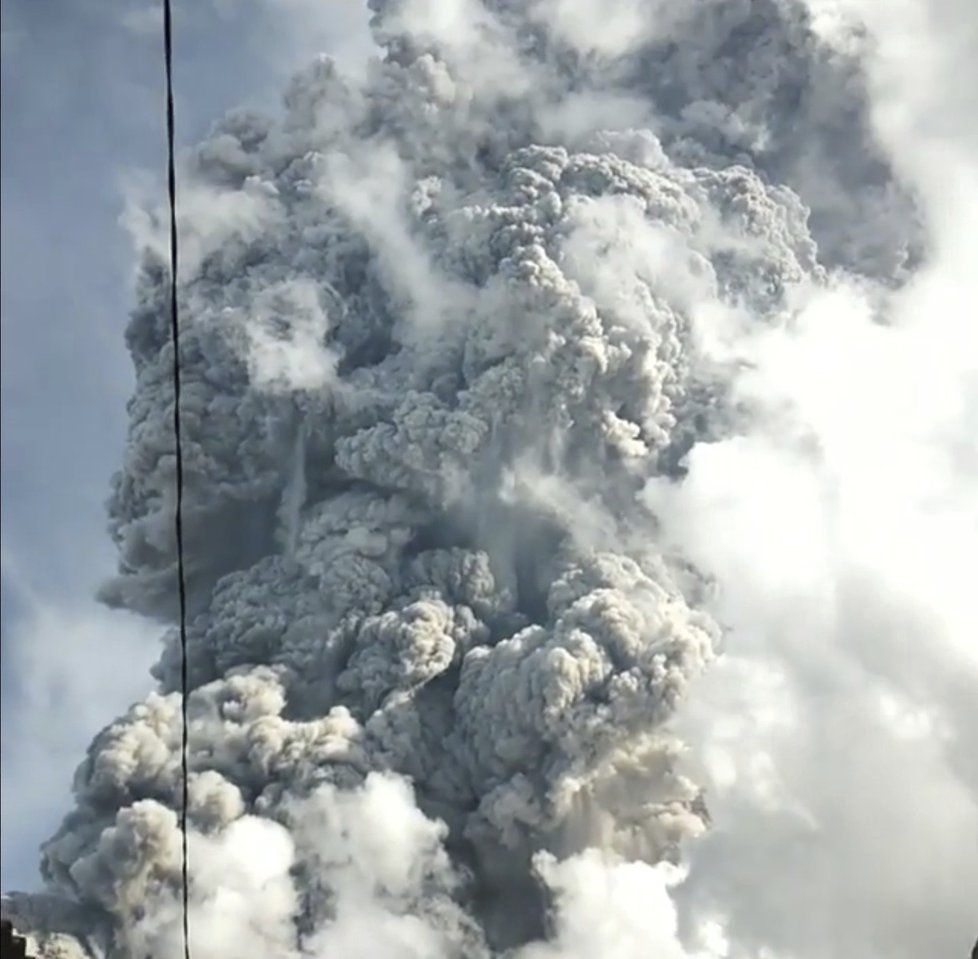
x=442 y=333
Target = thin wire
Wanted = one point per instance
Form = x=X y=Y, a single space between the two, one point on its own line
x=178 y=513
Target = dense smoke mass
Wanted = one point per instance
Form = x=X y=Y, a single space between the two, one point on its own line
x=449 y=347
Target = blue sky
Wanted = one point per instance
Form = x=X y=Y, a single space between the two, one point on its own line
x=82 y=110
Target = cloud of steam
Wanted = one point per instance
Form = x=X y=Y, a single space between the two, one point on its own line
x=580 y=413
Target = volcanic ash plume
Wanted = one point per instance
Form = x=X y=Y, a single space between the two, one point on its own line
x=439 y=334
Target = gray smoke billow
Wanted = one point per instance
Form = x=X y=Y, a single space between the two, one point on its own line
x=438 y=337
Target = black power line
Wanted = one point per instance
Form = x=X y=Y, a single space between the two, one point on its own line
x=178 y=511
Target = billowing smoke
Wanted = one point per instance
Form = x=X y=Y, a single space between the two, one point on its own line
x=526 y=498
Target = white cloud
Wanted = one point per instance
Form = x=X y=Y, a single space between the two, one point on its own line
x=837 y=734
x=73 y=666
x=609 y=908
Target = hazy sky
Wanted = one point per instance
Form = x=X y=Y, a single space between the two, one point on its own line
x=82 y=112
